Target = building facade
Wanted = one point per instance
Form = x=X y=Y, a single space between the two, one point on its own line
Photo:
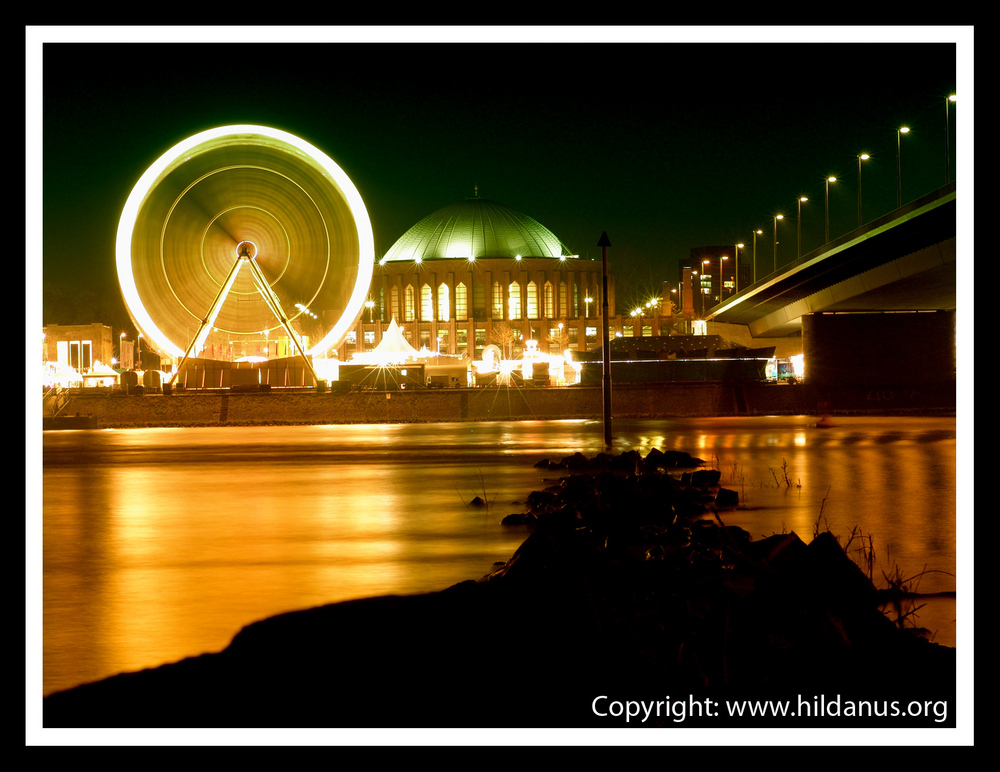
x=477 y=273
x=79 y=345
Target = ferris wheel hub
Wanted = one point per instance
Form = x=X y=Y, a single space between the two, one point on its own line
x=246 y=250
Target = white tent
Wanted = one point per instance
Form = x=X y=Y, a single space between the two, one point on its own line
x=100 y=375
x=393 y=349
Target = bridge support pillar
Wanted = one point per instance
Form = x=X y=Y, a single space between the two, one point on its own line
x=879 y=350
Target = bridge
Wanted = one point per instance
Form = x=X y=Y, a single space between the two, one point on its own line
x=904 y=261
x=875 y=306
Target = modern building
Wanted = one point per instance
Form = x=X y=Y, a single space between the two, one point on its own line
x=478 y=273
x=715 y=279
x=79 y=345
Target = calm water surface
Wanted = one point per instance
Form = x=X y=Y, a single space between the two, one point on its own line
x=158 y=544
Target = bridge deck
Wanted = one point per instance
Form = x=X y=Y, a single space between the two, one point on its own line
x=904 y=261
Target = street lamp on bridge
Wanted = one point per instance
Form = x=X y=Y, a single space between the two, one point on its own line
x=798 y=225
x=899 y=167
x=828 y=181
x=756 y=232
x=861 y=157
x=947 y=136
x=776 y=218
x=736 y=268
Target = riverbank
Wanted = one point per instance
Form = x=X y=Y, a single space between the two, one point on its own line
x=629 y=590
x=671 y=400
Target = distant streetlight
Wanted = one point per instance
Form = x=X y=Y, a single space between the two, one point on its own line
x=899 y=167
x=756 y=232
x=828 y=181
x=798 y=225
x=947 y=137
x=776 y=218
x=861 y=157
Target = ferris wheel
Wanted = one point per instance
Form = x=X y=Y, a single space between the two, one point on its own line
x=239 y=231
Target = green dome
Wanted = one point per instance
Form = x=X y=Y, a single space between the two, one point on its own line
x=479 y=228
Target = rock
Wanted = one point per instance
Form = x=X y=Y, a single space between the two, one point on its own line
x=727 y=499
x=519 y=519
x=705 y=478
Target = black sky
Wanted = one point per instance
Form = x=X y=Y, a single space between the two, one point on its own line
x=665 y=146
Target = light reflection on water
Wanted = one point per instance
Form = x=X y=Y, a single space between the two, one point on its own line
x=162 y=543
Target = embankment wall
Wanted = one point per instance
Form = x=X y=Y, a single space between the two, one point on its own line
x=675 y=400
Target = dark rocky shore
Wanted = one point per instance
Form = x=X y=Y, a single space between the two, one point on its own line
x=629 y=588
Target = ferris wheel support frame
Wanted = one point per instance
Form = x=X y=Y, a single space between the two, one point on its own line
x=264 y=289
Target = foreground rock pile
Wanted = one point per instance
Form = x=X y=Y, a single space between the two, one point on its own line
x=629 y=586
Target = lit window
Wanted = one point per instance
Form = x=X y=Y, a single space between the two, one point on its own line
x=444 y=312
x=532 y=300
x=426 y=303
x=514 y=303
x=497 y=300
x=408 y=309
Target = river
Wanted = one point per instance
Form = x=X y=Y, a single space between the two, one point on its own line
x=158 y=544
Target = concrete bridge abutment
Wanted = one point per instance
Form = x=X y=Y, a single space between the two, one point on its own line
x=884 y=350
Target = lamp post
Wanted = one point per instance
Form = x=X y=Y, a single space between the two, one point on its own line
x=604 y=242
x=701 y=284
x=776 y=218
x=736 y=268
x=828 y=181
x=947 y=137
x=798 y=225
x=757 y=232
x=861 y=157
x=899 y=167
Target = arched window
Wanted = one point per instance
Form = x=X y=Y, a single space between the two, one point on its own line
x=426 y=303
x=563 y=302
x=549 y=301
x=497 y=300
x=444 y=312
x=532 y=300
x=408 y=307
x=394 y=303
x=514 y=304
x=461 y=302
x=478 y=300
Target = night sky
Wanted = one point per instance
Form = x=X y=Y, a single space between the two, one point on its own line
x=666 y=146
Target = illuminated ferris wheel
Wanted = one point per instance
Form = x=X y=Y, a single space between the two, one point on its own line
x=240 y=231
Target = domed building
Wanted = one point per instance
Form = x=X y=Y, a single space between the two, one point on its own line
x=477 y=273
